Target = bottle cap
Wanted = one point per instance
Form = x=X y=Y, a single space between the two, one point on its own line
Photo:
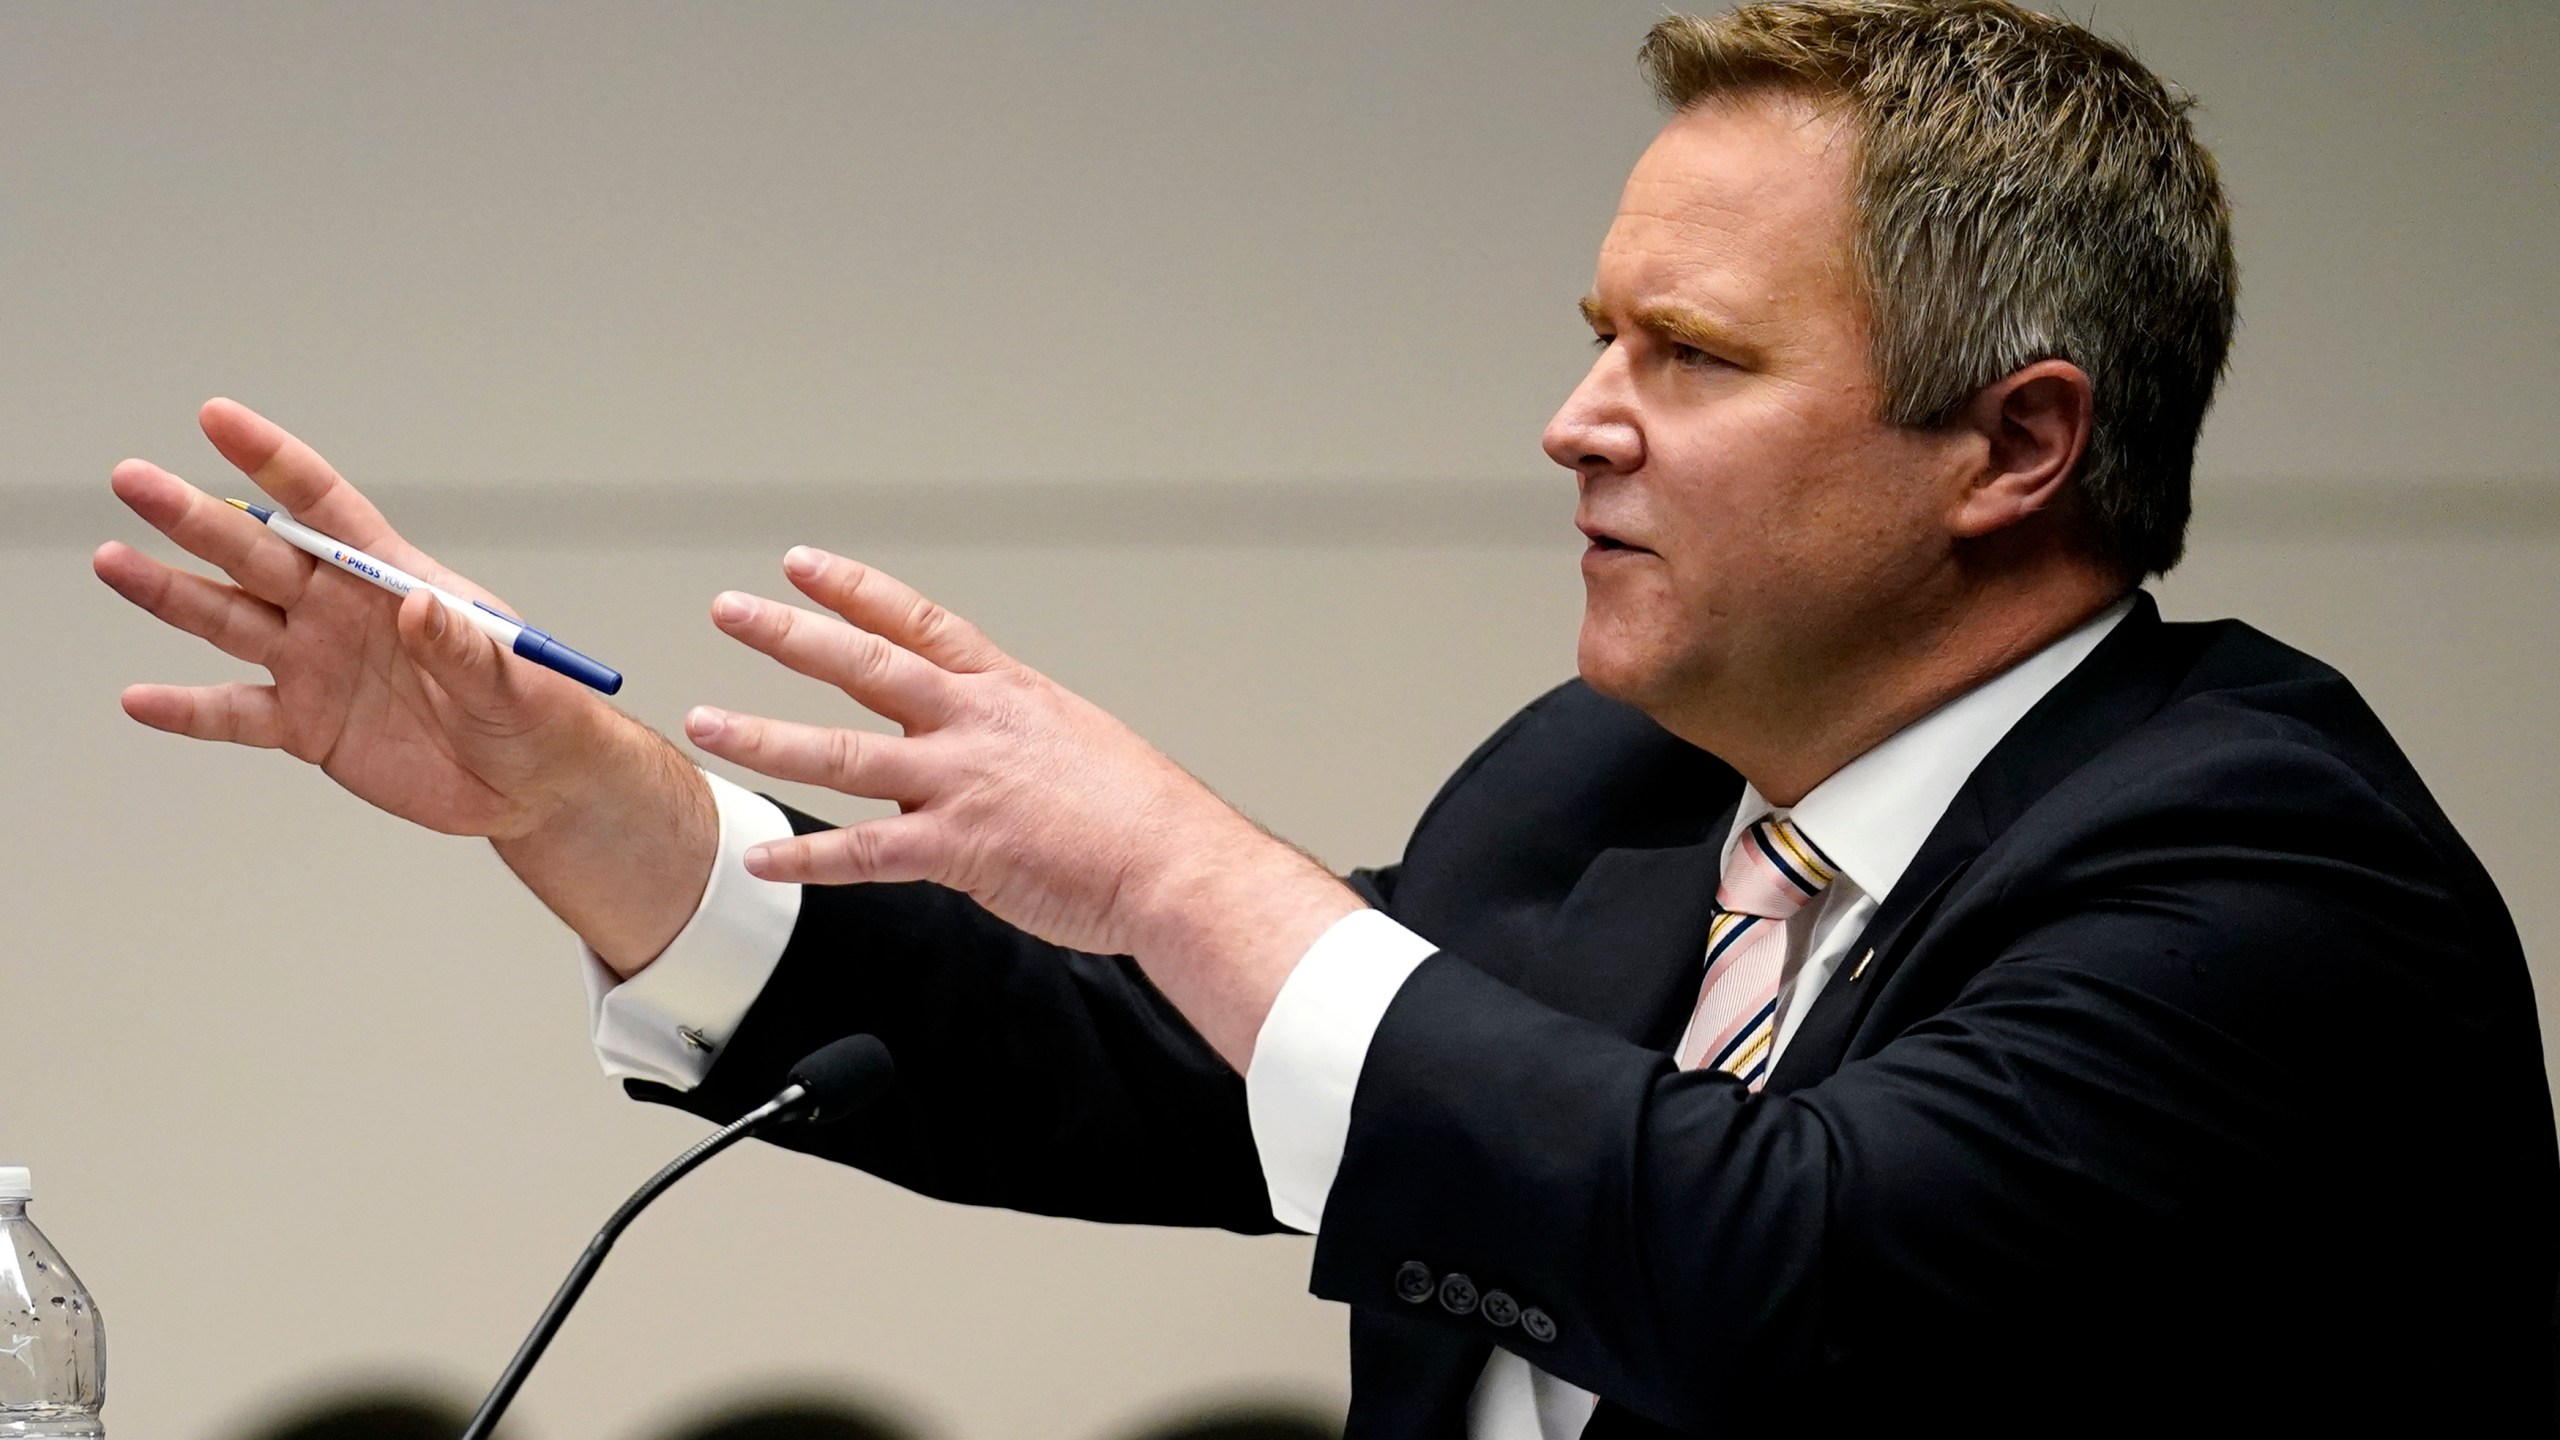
x=17 y=1183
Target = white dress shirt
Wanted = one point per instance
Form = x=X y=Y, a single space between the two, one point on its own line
x=1871 y=817
x=669 y=1021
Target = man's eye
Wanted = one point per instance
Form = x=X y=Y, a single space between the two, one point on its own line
x=1691 y=355
x=1603 y=342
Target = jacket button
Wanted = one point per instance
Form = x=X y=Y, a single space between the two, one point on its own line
x=1500 y=1309
x=1537 y=1325
x=1457 y=1294
x=1413 y=1282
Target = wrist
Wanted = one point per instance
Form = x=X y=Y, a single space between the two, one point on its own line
x=1221 y=933
x=621 y=843
x=586 y=766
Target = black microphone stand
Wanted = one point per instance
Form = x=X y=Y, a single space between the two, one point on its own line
x=827 y=1085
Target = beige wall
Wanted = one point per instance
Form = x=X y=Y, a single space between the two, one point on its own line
x=306 y=1091
x=590 y=239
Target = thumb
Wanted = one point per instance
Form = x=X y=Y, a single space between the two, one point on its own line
x=454 y=654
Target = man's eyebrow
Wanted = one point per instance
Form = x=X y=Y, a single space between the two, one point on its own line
x=1679 y=322
x=1691 y=327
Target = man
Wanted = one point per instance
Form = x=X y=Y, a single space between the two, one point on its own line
x=1903 y=979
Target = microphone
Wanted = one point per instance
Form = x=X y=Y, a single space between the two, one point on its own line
x=830 y=1083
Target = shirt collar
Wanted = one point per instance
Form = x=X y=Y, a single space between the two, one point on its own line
x=1872 y=815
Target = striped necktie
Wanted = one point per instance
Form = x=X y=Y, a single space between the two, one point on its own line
x=1772 y=874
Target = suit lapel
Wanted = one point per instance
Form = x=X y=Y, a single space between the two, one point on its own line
x=1629 y=943
x=1815 y=1050
x=2125 y=679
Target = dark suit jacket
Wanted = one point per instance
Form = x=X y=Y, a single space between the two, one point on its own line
x=2193 y=1082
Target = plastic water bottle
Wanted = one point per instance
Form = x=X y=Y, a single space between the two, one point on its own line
x=53 y=1345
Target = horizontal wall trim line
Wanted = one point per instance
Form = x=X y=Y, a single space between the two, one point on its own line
x=1409 y=513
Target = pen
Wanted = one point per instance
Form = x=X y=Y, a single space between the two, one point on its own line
x=507 y=630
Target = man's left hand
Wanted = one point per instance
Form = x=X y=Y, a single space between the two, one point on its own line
x=1034 y=802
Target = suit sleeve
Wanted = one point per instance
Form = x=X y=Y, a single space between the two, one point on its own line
x=2169 y=1027
x=1028 y=1076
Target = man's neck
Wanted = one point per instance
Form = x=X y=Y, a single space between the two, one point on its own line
x=1799 y=735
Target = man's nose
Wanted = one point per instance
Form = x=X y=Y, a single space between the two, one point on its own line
x=1596 y=431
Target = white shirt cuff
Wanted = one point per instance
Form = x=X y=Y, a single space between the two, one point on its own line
x=669 y=1022
x=1306 y=1061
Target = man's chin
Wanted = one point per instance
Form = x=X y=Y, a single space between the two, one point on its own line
x=1612 y=668
x=1661 y=680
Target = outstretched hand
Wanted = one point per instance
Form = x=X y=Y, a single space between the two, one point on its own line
x=424 y=717
x=421 y=718
x=1033 y=801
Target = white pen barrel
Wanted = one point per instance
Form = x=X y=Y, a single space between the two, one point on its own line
x=518 y=638
x=391 y=577
x=364 y=567
x=487 y=621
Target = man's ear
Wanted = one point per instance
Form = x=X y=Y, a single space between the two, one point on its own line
x=2034 y=425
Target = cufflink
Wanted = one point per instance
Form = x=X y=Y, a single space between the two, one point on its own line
x=693 y=1039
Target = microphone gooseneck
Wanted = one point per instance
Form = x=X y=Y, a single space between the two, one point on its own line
x=827 y=1085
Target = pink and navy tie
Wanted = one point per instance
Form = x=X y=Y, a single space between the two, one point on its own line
x=1774 y=872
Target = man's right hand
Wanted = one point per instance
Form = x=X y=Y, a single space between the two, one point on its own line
x=417 y=714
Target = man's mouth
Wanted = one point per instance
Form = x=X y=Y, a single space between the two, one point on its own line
x=1603 y=542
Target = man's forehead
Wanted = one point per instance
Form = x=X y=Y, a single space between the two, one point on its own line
x=1756 y=191
x=1752 y=144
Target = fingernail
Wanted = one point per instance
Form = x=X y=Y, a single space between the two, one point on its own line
x=802 y=563
x=759 y=860
x=435 y=621
x=704 y=723
x=731 y=607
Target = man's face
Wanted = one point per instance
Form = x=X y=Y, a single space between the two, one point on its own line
x=1752 y=517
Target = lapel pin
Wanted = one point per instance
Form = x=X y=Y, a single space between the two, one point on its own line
x=1862 y=965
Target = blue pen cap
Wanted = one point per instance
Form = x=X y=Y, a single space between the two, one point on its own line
x=542 y=650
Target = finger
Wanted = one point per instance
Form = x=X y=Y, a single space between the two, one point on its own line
x=238 y=713
x=885 y=605
x=239 y=625
x=895 y=682
x=468 y=664
x=893 y=850
x=303 y=483
x=213 y=532
x=857 y=762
